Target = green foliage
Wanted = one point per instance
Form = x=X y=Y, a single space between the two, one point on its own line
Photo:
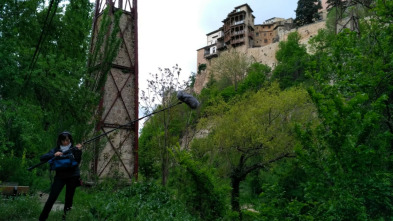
x=192 y=79
x=197 y=187
x=242 y=126
x=201 y=67
x=38 y=101
x=152 y=139
x=160 y=95
x=221 y=90
x=140 y=201
x=255 y=79
x=307 y=12
x=292 y=60
x=255 y=132
x=345 y=163
x=105 y=49
x=149 y=160
x=15 y=169
x=231 y=67
x=19 y=208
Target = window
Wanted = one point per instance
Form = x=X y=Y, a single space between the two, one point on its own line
x=265 y=40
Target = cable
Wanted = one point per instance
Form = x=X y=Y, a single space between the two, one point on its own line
x=40 y=40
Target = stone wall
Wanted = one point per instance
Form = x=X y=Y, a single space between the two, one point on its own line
x=264 y=55
x=306 y=32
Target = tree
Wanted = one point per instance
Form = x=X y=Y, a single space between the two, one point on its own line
x=197 y=186
x=307 y=12
x=347 y=159
x=161 y=93
x=292 y=60
x=231 y=66
x=43 y=94
x=256 y=77
x=256 y=132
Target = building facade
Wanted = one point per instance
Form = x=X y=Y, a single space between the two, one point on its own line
x=267 y=33
x=236 y=32
x=239 y=27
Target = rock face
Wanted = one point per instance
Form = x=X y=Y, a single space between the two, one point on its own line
x=264 y=55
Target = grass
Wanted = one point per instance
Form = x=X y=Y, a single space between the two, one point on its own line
x=140 y=201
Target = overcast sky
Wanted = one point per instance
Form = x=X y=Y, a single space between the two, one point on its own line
x=171 y=31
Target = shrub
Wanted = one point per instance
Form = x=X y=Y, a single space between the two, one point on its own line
x=140 y=201
x=18 y=208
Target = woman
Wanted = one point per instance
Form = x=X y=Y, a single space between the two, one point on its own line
x=69 y=177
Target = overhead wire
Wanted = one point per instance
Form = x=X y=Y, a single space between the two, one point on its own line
x=40 y=40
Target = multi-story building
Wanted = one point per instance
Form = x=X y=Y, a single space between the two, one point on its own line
x=210 y=50
x=239 y=27
x=267 y=32
x=237 y=32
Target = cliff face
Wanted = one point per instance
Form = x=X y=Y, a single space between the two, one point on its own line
x=264 y=55
x=201 y=80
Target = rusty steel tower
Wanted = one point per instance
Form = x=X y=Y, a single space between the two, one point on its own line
x=116 y=154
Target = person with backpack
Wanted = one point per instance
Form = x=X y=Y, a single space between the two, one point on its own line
x=66 y=175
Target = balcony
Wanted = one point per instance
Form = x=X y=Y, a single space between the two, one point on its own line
x=209 y=55
x=238 y=22
x=237 y=41
x=237 y=32
x=221 y=46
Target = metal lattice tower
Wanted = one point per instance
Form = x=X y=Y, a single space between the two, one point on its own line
x=116 y=154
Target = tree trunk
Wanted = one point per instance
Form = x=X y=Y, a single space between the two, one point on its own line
x=165 y=154
x=235 y=181
x=165 y=166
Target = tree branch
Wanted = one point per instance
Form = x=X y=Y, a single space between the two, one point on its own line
x=263 y=165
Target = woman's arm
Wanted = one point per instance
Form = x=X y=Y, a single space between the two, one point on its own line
x=48 y=155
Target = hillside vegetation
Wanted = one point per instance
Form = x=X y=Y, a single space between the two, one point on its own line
x=310 y=140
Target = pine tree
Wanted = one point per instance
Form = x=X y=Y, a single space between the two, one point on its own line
x=307 y=12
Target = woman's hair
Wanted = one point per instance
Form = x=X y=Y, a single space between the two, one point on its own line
x=63 y=136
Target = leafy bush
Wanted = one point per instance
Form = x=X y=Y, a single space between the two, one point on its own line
x=15 y=170
x=19 y=208
x=256 y=77
x=140 y=201
x=196 y=187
